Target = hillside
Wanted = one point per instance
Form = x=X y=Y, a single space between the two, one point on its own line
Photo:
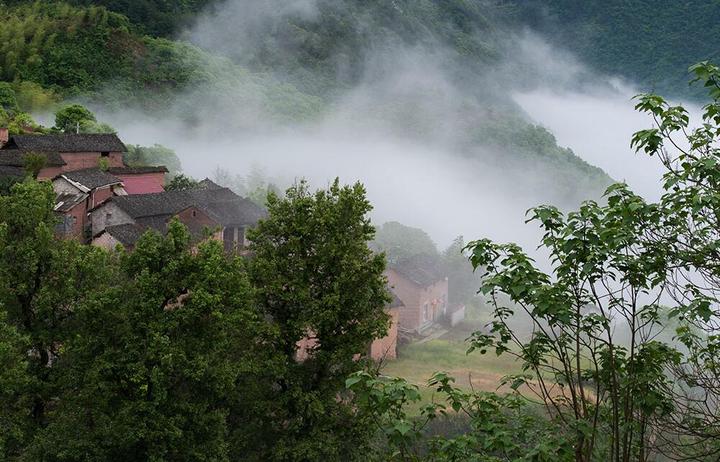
x=650 y=42
x=345 y=60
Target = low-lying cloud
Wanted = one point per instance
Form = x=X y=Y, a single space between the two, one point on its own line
x=403 y=131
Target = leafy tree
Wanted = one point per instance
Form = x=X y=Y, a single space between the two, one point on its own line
x=33 y=163
x=155 y=358
x=501 y=427
x=316 y=278
x=8 y=101
x=41 y=280
x=399 y=241
x=604 y=278
x=690 y=234
x=181 y=183
x=76 y=118
x=462 y=280
x=152 y=156
x=14 y=383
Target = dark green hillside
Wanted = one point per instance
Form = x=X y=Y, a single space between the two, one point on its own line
x=154 y=17
x=299 y=69
x=651 y=42
x=96 y=55
x=333 y=45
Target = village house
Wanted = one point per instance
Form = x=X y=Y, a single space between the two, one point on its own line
x=422 y=287
x=122 y=219
x=68 y=152
x=79 y=191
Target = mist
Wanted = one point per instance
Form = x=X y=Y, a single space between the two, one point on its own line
x=402 y=131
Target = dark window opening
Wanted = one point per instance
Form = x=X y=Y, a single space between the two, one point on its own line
x=105 y=154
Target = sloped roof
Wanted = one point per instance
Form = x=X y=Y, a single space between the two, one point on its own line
x=395 y=302
x=67 y=201
x=137 y=170
x=9 y=170
x=67 y=142
x=222 y=205
x=91 y=178
x=16 y=158
x=126 y=234
x=422 y=269
x=207 y=183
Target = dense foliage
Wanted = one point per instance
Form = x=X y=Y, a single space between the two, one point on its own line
x=179 y=353
x=651 y=42
x=621 y=349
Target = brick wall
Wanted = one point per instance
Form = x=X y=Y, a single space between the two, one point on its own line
x=386 y=347
x=48 y=173
x=81 y=160
x=106 y=215
x=198 y=221
x=143 y=183
x=106 y=241
x=414 y=297
x=76 y=217
x=100 y=195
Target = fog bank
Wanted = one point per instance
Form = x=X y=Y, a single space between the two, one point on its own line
x=403 y=131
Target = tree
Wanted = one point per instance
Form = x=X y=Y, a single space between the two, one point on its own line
x=42 y=280
x=690 y=232
x=14 y=383
x=399 y=241
x=72 y=118
x=76 y=118
x=34 y=162
x=181 y=183
x=154 y=363
x=497 y=427
x=8 y=101
x=316 y=277
x=608 y=389
x=462 y=280
x=138 y=156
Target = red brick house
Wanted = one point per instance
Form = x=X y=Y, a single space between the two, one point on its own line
x=422 y=287
x=141 y=180
x=208 y=207
x=126 y=235
x=71 y=152
x=79 y=191
x=64 y=152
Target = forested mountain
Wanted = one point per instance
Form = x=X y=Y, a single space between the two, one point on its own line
x=651 y=42
x=291 y=67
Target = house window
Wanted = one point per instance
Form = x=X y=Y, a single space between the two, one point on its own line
x=194 y=213
x=426 y=312
x=105 y=154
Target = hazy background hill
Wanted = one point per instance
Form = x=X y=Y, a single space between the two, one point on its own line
x=650 y=42
x=361 y=86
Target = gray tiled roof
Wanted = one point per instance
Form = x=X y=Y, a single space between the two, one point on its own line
x=16 y=158
x=137 y=170
x=67 y=201
x=9 y=170
x=421 y=269
x=92 y=178
x=67 y=142
x=222 y=205
x=126 y=234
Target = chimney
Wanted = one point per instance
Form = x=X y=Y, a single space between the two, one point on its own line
x=4 y=136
